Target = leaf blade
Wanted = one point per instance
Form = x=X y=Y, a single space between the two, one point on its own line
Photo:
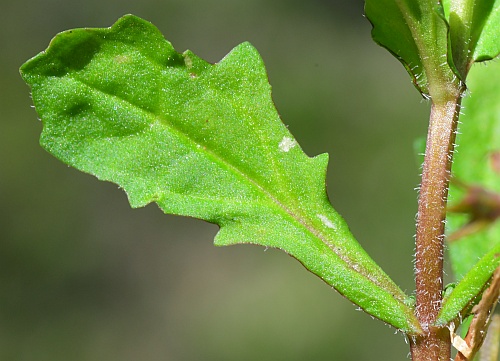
x=415 y=32
x=200 y=140
x=469 y=287
x=473 y=33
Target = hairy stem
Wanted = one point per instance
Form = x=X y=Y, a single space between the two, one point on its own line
x=434 y=343
x=432 y=210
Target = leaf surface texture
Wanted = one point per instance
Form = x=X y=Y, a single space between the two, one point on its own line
x=200 y=140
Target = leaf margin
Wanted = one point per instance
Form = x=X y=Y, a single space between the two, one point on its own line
x=404 y=322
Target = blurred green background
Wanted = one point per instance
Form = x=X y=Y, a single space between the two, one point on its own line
x=84 y=277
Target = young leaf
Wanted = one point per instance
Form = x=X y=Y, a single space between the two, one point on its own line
x=459 y=301
x=473 y=32
x=200 y=140
x=415 y=32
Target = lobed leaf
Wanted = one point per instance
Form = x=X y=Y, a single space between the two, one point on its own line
x=200 y=140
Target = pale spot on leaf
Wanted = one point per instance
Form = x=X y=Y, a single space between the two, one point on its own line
x=287 y=143
x=326 y=221
x=120 y=59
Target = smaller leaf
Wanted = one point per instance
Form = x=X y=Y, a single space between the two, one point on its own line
x=391 y=31
x=415 y=32
x=477 y=324
x=473 y=33
x=460 y=300
x=482 y=315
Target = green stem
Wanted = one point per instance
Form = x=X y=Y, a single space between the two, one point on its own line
x=434 y=343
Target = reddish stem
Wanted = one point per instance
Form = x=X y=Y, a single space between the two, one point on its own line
x=434 y=343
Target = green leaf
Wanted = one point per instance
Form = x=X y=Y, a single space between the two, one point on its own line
x=415 y=32
x=200 y=140
x=465 y=292
x=474 y=31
